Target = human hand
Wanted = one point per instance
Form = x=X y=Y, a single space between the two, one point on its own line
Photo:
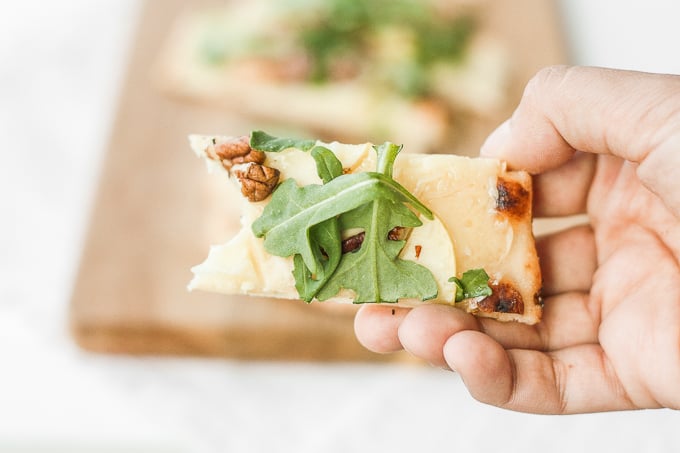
x=610 y=334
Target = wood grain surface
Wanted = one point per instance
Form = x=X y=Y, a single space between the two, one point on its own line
x=157 y=211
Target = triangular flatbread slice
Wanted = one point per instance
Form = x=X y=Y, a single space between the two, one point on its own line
x=482 y=220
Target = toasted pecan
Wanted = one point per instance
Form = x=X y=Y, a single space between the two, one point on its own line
x=235 y=151
x=257 y=181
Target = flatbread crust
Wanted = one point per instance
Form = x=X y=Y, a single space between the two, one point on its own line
x=484 y=208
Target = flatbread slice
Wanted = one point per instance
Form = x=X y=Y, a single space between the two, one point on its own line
x=392 y=77
x=480 y=220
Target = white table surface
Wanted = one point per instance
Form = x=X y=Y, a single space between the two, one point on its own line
x=61 y=65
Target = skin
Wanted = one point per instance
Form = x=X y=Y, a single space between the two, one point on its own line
x=610 y=334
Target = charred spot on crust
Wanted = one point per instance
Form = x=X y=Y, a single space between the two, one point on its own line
x=504 y=299
x=538 y=298
x=512 y=199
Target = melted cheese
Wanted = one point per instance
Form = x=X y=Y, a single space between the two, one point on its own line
x=467 y=231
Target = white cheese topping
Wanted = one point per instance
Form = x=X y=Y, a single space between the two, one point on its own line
x=468 y=231
x=448 y=185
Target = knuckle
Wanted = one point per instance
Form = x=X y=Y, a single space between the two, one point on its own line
x=560 y=373
x=546 y=80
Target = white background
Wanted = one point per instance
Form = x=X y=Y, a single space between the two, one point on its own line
x=61 y=65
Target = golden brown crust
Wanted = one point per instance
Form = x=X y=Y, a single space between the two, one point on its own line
x=520 y=300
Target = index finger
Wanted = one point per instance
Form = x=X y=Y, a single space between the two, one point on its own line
x=631 y=115
x=596 y=110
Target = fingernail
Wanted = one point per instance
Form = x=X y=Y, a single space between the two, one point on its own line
x=495 y=143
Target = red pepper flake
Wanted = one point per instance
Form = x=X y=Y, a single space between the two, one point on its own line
x=418 y=250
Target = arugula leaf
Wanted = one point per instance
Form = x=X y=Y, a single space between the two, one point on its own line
x=306 y=222
x=387 y=154
x=375 y=272
x=293 y=210
x=325 y=237
x=261 y=141
x=473 y=283
x=327 y=249
x=328 y=167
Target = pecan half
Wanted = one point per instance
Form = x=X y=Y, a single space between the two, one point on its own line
x=397 y=234
x=235 y=151
x=257 y=181
x=354 y=242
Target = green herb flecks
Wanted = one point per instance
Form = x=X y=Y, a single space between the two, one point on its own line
x=339 y=40
x=344 y=32
x=473 y=283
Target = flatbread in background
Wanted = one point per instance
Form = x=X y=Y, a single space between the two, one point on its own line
x=416 y=72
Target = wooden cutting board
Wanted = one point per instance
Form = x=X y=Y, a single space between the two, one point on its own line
x=157 y=211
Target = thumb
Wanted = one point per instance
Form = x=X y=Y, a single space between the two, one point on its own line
x=632 y=115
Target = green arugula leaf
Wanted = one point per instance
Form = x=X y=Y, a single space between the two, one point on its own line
x=306 y=223
x=473 y=283
x=326 y=244
x=261 y=141
x=328 y=167
x=293 y=210
x=325 y=237
x=387 y=154
x=375 y=272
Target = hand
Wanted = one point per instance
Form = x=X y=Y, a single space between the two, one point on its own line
x=606 y=143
